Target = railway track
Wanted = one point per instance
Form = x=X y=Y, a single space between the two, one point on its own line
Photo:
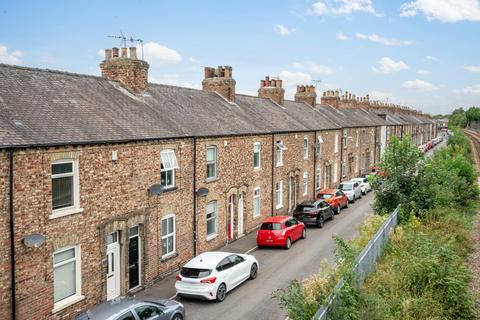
x=475 y=140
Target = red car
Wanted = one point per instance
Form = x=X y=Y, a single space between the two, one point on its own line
x=334 y=197
x=280 y=231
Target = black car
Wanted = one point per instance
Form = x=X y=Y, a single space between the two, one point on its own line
x=314 y=212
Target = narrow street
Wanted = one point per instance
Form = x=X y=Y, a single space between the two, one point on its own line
x=253 y=299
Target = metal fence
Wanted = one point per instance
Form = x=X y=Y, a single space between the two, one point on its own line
x=365 y=261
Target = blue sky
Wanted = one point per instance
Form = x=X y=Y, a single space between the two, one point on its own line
x=420 y=53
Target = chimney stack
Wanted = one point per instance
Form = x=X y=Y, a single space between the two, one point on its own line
x=129 y=71
x=272 y=88
x=331 y=98
x=306 y=94
x=220 y=80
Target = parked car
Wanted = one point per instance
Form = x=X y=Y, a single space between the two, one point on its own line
x=211 y=275
x=280 y=231
x=133 y=309
x=351 y=189
x=314 y=212
x=364 y=184
x=335 y=198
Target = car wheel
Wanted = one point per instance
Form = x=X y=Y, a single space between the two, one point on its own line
x=178 y=316
x=288 y=245
x=333 y=215
x=253 y=271
x=320 y=222
x=221 y=292
x=354 y=199
x=304 y=233
x=346 y=205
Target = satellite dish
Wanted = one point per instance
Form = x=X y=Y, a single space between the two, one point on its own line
x=34 y=240
x=156 y=189
x=202 y=192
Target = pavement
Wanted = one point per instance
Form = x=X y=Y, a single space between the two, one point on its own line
x=254 y=299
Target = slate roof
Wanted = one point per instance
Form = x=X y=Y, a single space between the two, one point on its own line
x=43 y=107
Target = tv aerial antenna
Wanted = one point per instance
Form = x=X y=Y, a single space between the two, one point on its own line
x=123 y=39
x=317 y=82
x=132 y=40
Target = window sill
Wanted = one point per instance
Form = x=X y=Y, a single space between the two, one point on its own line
x=257 y=169
x=211 y=237
x=59 y=306
x=169 y=256
x=64 y=212
x=279 y=164
x=210 y=180
x=279 y=207
x=169 y=189
x=257 y=216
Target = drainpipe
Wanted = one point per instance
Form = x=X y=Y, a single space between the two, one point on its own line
x=194 y=196
x=12 y=238
x=315 y=166
x=341 y=154
x=273 y=170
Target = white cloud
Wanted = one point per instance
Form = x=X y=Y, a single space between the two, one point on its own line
x=431 y=58
x=388 y=42
x=12 y=57
x=419 y=85
x=382 y=96
x=443 y=10
x=342 y=7
x=157 y=53
x=294 y=78
x=101 y=53
x=341 y=36
x=313 y=67
x=387 y=66
x=282 y=30
x=424 y=72
x=475 y=89
x=474 y=69
x=174 y=80
x=193 y=60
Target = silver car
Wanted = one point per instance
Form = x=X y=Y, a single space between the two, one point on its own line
x=351 y=189
x=364 y=184
x=133 y=309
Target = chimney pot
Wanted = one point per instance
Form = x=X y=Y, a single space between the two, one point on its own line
x=115 y=52
x=124 y=52
x=133 y=53
x=108 y=54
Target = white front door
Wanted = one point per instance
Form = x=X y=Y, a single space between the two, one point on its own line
x=240 y=215
x=113 y=267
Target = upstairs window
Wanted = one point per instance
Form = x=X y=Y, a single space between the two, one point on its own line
x=63 y=184
x=318 y=146
x=256 y=155
x=211 y=162
x=305 y=148
x=345 y=136
x=168 y=166
x=280 y=148
x=336 y=142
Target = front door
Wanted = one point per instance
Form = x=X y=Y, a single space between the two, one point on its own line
x=240 y=214
x=133 y=258
x=113 y=266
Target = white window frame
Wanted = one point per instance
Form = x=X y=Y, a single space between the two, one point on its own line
x=173 y=233
x=335 y=171
x=345 y=138
x=213 y=234
x=319 y=146
x=279 y=194
x=257 y=149
x=62 y=304
x=336 y=141
x=280 y=148
x=257 y=197
x=305 y=148
x=214 y=162
x=318 y=176
x=305 y=183
x=168 y=157
x=57 y=213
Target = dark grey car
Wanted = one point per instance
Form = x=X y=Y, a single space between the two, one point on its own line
x=133 y=309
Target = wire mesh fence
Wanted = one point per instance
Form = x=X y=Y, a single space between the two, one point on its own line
x=364 y=263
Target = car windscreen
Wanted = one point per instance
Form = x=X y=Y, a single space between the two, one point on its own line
x=271 y=226
x=194 y=272
x=346 y=186
x=326 y=196
x=304 y=208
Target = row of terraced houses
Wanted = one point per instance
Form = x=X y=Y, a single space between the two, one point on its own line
x=107 y=184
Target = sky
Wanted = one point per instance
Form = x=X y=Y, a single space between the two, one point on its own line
x=418 y=53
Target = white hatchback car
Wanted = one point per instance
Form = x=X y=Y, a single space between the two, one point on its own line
x=211 y=275
x=364 y=184
x=351 y=189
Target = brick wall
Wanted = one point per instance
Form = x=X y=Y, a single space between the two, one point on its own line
x=5 y=288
